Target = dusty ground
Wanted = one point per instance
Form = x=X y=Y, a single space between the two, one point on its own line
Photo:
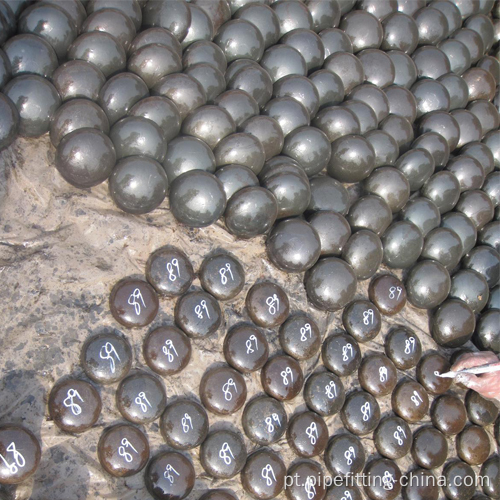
x=61 y=251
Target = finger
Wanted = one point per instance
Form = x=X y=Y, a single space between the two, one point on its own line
x=484 y=386
x=472 y=359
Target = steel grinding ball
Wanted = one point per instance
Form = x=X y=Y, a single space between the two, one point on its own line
x=9 y=121
x=197 y=198
x=85 y=157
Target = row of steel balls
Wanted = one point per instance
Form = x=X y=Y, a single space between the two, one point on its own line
x=134 y=303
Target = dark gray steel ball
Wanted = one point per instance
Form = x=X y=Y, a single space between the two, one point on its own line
x=288 y=112
x=385 y=147
x=491 y=187
x=492 y=140
x=400 y=33
x=331 y=284
x=346 y=66
x=154 y=61
x=236 y=177
x=239 y=104
x=335 y=40
x=352 y=159
x=252 y=79
x=400 y=129
x=292 y=16
x=375 y=97
x=324 y=13
x=443 y=189
x=292 y=193
x=443 y=124
x=283 y=60
x=378 y=67
x=333 y=230
x=31 y=54
x=401 y=102
x=138 y=184
x=486 y=261
x=370 y=212
x=300 y=88
x=436 y=145
x=185 y=153
x=186 y=92
x=452 y=325
x=78 y=79
x=173 y=16
x=468 y=171
x=197 y=198
x=310 y=147
x=328 y=194
x=201 y=27
x=293 y=246
x=364 y=30
x=242 y=149
x=451 y=12
x=457 y=89
x=405 y=71
x=403 y=243
x=209 y=123
x=458 y=55
x=471 y=287
x=432 y=26
x=423 y=213
x=101 y=49
x=162 y=111
x=9 y=121
x=155 y=35
x=36 y=100
x=364 y=253
x=469 y=126
x=240 y=39
x=76 y=114
x=417 y=165
x=268 y=131
x=251 y=212
x=264 y=19
x=476 y=205
x=427 y=284
x=430 y=96
x=444 y=246
x=487 y=114
x=5 y=69
x=366 y=116
x=85 y=157
x=463 y=226
x=310 y=46
x=135 y=135
x=391 y=185
x=120 y=93
x=336 y=122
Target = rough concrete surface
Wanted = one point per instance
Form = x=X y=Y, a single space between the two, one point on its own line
x=61 y=251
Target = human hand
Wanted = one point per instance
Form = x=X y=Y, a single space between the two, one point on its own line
x=486 y=384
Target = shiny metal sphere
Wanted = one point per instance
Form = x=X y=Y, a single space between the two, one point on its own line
x=487 y=114
x=401 y=102
x=484 y=27
x=366 y=116
x=352 y=159
x=385 y=147
x=469 y=126
x=364 y=30
x=464 y=227
x=400 y=129
x=30 y=54
x=283 y=60
x=381 y=9
x=417 y=165
x=378 y=67
x=333 y=231
x=268 y=131
x=152 y=62
x=457 y=53
x=174 y=16
x=391 y=185
x=443 y=124
x=9 y=121
x=328 y=194
x=236 y=177
x=491 y=65
x=120 y=93
x=364 y=253
x=292 y=15
x=185 y=92
x=423 y=213
x=241 y=149
x=402 y=243
x=254 y=80
x=482 y=153
x=451 y=12
x=138 y=184
x=292 y=193
x=200 y=28
x=210 y=78
x=197 y=198
x=76 y=114
x=324 y=13
x=335 y=40
x=410 y=7
x=238 y=104
x=240 y=39
x=443 y=189
x=5 y=69
x=492 y=140
x=101 y=49
x=472 y=40
x=310 y=147
x=348 y=67
x=481 y=84
x=329 y=86
x=78 y=79
x=281 y=164
x=218 y=11
x=436 y=145
x=185 y=153
x=405 y=71
x=135 y=135
x=457 y=89
x=264 y=19
x=205 y=52
x=400 y=33
x=374 y=97
x=162 y=111
x=155 y=35
x=300 y=88
x=209 y=123
x=288 y=112
x=310 y=46
x=36 y=100
x=431 y=62
x=114 y=22
x=370 y=212
x=85 y=157
x=430 y=96
x=250 y=212
x=51 y=23
x=432 y=26
x=476 y=205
